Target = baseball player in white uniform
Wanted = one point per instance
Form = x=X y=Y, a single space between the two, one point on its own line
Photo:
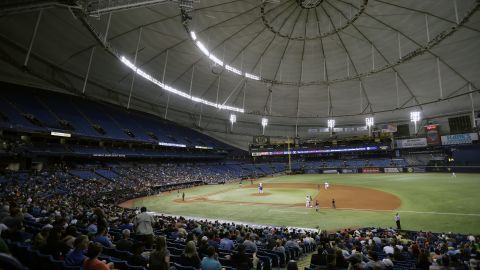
x=326 y=185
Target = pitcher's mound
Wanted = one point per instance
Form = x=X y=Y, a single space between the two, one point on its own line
x=261 y=194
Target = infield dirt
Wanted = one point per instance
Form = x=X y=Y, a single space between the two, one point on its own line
x=345 y=197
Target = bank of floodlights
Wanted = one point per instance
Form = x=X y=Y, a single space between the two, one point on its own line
x=331 y=125
x=369 y=121
x=264 y=124
x=233 y=119
x=415 y=117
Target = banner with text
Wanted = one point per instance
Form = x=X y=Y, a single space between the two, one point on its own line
x=412 y=143
x=466 y=138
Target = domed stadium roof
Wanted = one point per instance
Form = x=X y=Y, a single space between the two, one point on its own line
x=296 y=62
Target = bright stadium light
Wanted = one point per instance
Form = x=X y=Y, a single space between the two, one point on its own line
x=331 y=125
x=219 y=62
x=415 y=117
x=175 y=91
x=369 y=121
x=233 y=119
x=203 y=48
x=264 y=124
x=253 y=77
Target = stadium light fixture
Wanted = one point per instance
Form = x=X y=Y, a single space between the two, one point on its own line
x=175 y=91
x=203 y=48
x=264 y=124
x=331 y=125
x=369 y=121
x=233 y=119
x=415 y=117
x=219 y=62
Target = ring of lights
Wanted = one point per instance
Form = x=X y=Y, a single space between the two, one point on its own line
x=136 y=70
x=409 y=56
x=436 y=40
x=349 y=22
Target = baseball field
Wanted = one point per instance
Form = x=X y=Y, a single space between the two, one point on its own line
x=425 y=201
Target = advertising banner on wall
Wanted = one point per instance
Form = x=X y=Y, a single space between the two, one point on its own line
x=433 y=137
x=412 y=143
x=392 y=170
x=466 y=138
x=387 y=128
x=370 y=170
x=349 y=170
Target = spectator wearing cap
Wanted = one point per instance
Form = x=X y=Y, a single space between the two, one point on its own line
x=125 y=243
x=203 y=246
x=143 y=224
x=210 y=262
x=76 y=256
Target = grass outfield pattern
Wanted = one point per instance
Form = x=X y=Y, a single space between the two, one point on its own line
x=429 y=201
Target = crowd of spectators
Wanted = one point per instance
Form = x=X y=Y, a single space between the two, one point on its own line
x=375 y=248
x=79 y=222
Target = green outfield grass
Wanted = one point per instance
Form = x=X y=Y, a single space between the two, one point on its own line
x=429 y=201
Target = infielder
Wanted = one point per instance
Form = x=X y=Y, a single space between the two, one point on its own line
x=326 y=185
